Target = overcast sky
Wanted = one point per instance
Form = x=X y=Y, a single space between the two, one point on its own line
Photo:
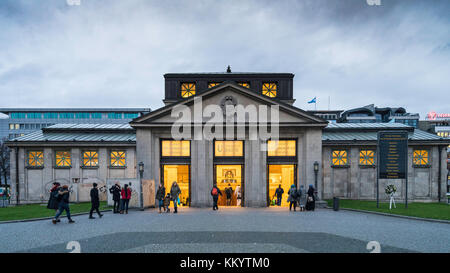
x=112 y=53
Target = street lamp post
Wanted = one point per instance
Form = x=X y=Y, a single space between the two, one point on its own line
x=316 y=172
x=141 y=173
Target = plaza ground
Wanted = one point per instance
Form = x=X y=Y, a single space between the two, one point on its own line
x=40 y=211
x=439 y=211
x=229 y=230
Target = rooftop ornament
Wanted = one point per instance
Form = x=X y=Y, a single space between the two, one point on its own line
x=228 y=69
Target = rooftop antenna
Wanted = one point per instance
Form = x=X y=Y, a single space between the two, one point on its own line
x=228 y=69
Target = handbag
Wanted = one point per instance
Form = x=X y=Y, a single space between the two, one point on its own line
x=178 y=200
x=310 y=199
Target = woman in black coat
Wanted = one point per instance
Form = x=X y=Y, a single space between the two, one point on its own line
x=311 y=199
x=53 y=202
x=160 y=194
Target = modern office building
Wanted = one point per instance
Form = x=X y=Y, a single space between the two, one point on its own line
x=21 y=121
x=205 y=135
x=372 y=114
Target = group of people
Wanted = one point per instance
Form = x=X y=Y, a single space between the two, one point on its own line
x=305 y=201
x=60 y=196
x=164 y=200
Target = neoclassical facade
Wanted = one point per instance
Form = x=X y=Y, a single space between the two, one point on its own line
x=207 y=134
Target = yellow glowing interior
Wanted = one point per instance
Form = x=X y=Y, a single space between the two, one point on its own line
x=176 y=148
x=420 y=157
x=187 y=89
x=35 y=158
x=118 y=158
x=90 y=159
x=280 y=174
x=180 y=174
x=244 y=84
x=281 y=147
x=366 y=157
x=212 y=84
x=229 y=176
x=229 y=148
x=63 y=159
x=339 y=157
x=269 y=89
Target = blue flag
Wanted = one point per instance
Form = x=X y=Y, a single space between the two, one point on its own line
x=313 y=100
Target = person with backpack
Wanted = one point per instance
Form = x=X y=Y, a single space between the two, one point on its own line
x=229 y=194
x=160 y=193
x=126 y=196
x=292 y=199
x=175 y=191
x=215 y=191
x=63 y=199
x=311 y=199
x=95 y=202
x=115 y=191
x=279 y=193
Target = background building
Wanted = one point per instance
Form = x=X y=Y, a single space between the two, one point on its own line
x=331 y=115
x=21 y=121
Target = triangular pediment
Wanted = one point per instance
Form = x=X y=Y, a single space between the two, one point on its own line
x=229 y=94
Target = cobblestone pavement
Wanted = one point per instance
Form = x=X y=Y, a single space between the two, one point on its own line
x=228 y=230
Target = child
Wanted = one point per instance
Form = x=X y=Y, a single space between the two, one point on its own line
x=167 y=203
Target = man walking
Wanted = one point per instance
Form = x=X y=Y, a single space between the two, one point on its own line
x=174 y=193
x=279 y=193
x=229 y=194
x=95 y=202
x=115 y=191
x=215 y=195
x=63 y=198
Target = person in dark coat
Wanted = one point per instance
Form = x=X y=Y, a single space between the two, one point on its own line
x=279 y=193
x=292 y=197
x=95 y=202
x=63 y=199
x=175 y=191
x=215 y=192
x=115 y=191
x=229 y=194
x=160 y=193
x=311 y=199
x=53 y=200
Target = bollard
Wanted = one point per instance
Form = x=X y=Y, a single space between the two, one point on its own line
x=335 y=203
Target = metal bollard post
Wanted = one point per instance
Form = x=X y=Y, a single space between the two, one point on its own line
x=335 y=203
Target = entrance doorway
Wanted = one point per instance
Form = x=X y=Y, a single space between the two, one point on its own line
x=284 y=175
x=229 y=180
x=179 y=173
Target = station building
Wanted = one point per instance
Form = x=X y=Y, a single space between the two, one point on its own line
x=339 y=159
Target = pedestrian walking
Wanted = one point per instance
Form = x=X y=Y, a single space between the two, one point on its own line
x=279 y=194
x=167 y=203
x=95 y=202
x=160 y=194
x=115 y=191
x=311 y=199
x=302 y=198
x=175 y=191
x=229 y=194
x=126 y=196
x=292 y=199
x=215 y=192
x=53 y=202
x=63 y=199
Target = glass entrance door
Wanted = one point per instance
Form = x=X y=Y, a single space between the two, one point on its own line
x=283 y=175
x=229 y=181
x=180 y=174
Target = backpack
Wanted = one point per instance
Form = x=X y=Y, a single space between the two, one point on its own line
x=293 y=193
x=214 y=191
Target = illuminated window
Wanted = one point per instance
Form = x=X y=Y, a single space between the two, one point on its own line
x=35 y=158
x=176 y=148
x=366 y=157
x=187 y=89
x=229 y=148
x=11 y=126
x=63 y=159
x=420 y=157
x=339 y=158
x=90 y=158
x=211 y=85
x=269 y=89
x=117 y=159
x=244 y=84
x=281 y=148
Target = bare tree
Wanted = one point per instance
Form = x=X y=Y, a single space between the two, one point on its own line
x=4 y=162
